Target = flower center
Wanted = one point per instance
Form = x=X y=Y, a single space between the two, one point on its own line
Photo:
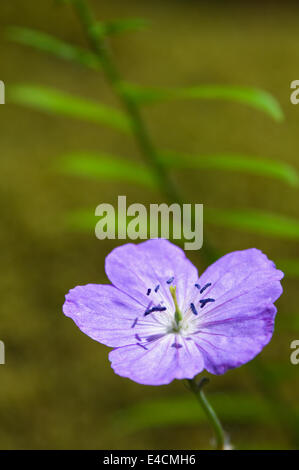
x=183 y=323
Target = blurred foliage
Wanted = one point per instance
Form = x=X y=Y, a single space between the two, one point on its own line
x=238 y=163
x=59 y=103
x=258 y=99
x=52 y=45
x=108 y=168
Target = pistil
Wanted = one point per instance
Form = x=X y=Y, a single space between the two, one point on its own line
x=177 y=314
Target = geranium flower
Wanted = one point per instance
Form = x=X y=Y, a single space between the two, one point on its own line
x=165 y=322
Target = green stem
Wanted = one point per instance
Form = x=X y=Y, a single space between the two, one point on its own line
x=197 y=389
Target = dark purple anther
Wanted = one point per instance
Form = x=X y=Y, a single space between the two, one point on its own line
x=170 y=280
x=154 y=337
x=138 y=337
x=198 y=286
x=203 y=302
x=141 y=345
x=192 y=306
x=134 y=323
x=148 y=291
x=157 y=288
x=154 y=309
x=205 y=287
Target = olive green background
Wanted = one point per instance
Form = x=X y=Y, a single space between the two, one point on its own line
x=57 y=389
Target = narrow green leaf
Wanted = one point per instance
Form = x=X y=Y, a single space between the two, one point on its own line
x=175 y=411
x=231 y=162
x=253 y=97
x=52 y=45
x=107 y=167
x=57 y=102
x=263 y=223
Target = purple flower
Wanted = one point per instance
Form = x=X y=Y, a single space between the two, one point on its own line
x=165 y=322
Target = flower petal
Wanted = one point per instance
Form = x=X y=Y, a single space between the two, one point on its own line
x=234 y=328
x=136 y=268
x=240 y=271
x=161 y=362
x=236 y=339
x=104 y=313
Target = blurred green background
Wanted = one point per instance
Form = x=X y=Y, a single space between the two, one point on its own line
x=57 y=388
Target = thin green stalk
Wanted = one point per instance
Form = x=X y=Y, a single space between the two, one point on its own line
x=197 y=389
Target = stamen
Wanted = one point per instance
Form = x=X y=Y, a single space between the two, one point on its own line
x=176 y=345
x=197 y=285
x=154 y=309
x=154 y=337
x=203 y=302
x=205 y=287
x=134 y=323
x=142 y=346
x=138 y=337
x=148 y=291
x=157 y=288
x=170 y=280
x=192 y=306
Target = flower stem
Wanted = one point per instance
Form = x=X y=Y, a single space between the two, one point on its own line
x=197 y=389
